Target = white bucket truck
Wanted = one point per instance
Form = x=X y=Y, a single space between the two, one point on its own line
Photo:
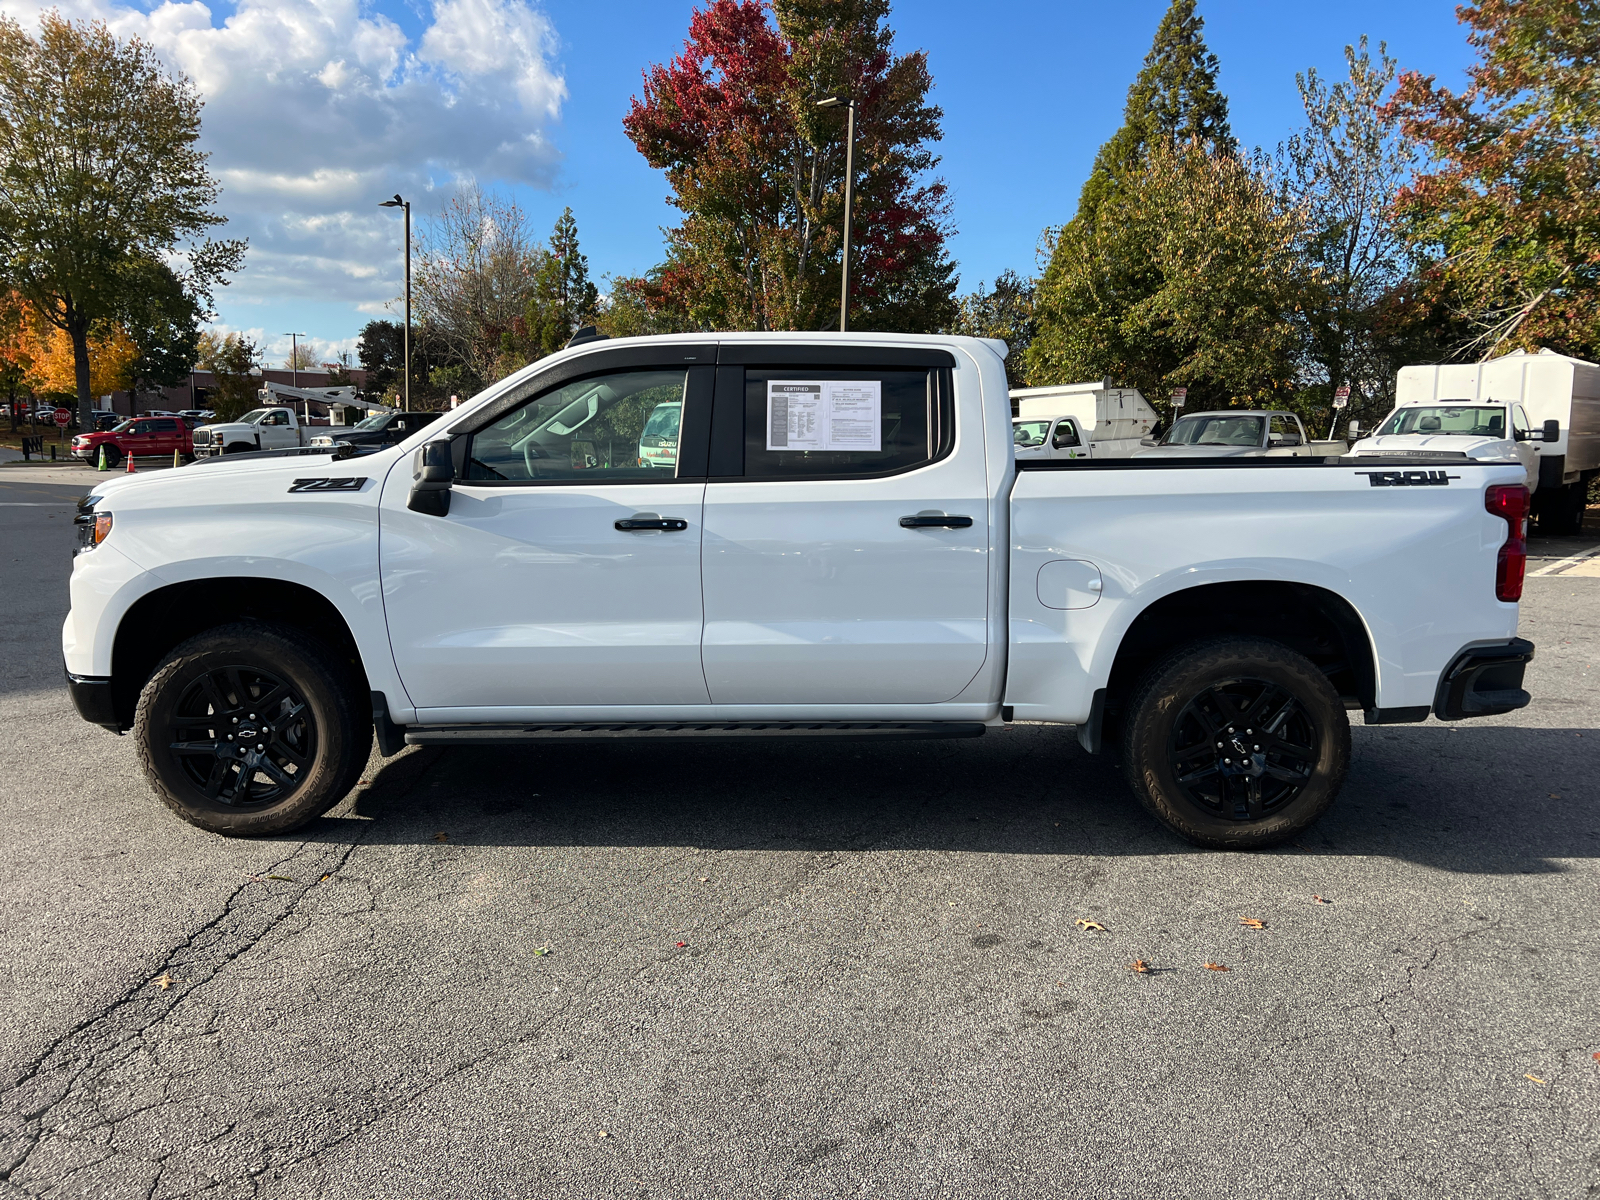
x=1542 y=410
x=1080 y=420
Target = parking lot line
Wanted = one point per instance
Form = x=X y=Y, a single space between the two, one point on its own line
x=1557 y=568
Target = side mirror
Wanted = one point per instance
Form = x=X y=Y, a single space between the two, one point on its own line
x=1355 y=430
x=1148 y=441
x=433 y=471
x=1552 y=431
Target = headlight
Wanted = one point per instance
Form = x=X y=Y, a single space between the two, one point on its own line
x=93 y=528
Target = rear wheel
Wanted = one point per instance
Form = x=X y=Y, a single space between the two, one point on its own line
x=245 y=730
x=1562 y=510
x=1236 y=743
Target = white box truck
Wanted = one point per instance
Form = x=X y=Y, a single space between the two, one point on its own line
x=1080 y=420
x=1554 y=401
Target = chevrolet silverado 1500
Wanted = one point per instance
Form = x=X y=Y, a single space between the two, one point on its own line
x=845 y=545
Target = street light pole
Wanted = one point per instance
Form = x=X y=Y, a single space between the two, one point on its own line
x=405 y=380
x=848 y=103
x=294 y=356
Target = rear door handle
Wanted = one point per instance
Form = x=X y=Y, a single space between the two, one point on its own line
x=933 y=520
x=639 y=524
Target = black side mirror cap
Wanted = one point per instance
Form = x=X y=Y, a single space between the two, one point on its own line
x=433 y=473
x=1552 y=431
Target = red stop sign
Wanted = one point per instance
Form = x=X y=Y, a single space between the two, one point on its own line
x=62 y=416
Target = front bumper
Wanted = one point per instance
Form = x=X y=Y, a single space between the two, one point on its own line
x=92 y=698
x=1484 y=681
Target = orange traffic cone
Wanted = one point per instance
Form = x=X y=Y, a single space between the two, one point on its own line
x=130 y=464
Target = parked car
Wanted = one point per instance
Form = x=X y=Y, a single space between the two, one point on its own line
x=196 y=416
x=1239 y=433
x=846 y=547
x=379 y=429
x=142 y=437
x=259 y=429
x=103 y=419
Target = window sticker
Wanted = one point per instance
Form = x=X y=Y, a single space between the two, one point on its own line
x=833 y=414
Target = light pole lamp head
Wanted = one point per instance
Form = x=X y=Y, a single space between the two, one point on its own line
x=839 y=101
x=395 y=203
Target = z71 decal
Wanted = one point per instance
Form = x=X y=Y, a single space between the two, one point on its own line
x=350 y=484
x=1408 y=478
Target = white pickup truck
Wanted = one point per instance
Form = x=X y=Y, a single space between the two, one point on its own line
x=846 y=546
x=275 y=428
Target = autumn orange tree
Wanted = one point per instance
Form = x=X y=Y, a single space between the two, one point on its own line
x=1510 y=206
x=757 y=170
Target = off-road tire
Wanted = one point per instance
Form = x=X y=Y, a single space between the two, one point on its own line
x=320 y=718
x=1180 y=695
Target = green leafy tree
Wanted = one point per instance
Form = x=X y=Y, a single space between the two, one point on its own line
x=163 y=320
x=1343 y=170
x=233 y=361
x=1005 y=312
x=98 y=165
x=1202 y=258
x=1509 y=204
x=1174 y=101
x=757 y=169
x=381 y=352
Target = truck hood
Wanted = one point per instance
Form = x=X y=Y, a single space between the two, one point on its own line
x=231 y=427
x=221 y=470
x=1435 y=444
x=1198 y=452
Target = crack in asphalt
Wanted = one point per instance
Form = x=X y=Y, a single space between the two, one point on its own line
x=55 y=1101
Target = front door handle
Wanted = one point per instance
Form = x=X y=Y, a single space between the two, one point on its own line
x=935 y=520
x=638 y=524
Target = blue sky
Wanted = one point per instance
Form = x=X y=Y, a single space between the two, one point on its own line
x=317 y=109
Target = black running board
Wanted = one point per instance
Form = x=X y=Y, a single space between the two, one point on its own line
x=494 y=735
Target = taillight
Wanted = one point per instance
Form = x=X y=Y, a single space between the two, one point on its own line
x=1510 y=500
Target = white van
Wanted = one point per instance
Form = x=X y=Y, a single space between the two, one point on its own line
x=658 y=444
x=1080 y=420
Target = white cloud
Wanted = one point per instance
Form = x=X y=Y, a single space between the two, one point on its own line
x=317 y=109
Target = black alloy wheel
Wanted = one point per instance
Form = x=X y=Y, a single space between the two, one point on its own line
x=1236 y=743
x=1243 y=749
x=242 y=735
x=253 y=728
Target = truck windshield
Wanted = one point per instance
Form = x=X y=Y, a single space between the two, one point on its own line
x=1214 y=430
x=1460 y=421
x=375 y=421
x=255 y=416
x=663 y=422
x=1029 y=433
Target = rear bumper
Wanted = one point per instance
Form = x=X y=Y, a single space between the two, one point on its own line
x=92 y=698
x=1483 y=681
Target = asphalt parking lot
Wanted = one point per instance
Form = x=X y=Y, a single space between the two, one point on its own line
x=790 y=970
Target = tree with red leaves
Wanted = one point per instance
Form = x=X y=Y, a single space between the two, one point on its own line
x=1512 y=204
x=758 y=171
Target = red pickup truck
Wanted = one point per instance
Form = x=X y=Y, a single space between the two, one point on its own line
x=152 y=437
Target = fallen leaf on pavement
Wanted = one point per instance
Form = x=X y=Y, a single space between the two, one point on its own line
x=681 y=945
x=542 y=951
x=705 y=879
x=441 y=836
x=1211 y=966
x=603 y=1133
x=1597 y=1056
x=325 y=879
x=1085 y=924
x=1319 y=899
x=1535 y=1078
x=281 y=878
x=1252 y=923
x=163 y=981
x=1139 y=965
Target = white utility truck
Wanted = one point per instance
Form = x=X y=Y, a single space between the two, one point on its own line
x=846 y=546
x=1080 y=420
x=1540 y=409
x=1239 y=433
x=259 y=429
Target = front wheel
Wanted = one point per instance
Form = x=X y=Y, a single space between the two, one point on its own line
x=251 y=729
x=1237 y=743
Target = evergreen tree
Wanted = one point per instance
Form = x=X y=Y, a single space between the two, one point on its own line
x=1174 y=100
x=1096 y=281
x=1006 y=313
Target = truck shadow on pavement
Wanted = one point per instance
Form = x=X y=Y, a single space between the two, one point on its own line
x=1493 y=800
